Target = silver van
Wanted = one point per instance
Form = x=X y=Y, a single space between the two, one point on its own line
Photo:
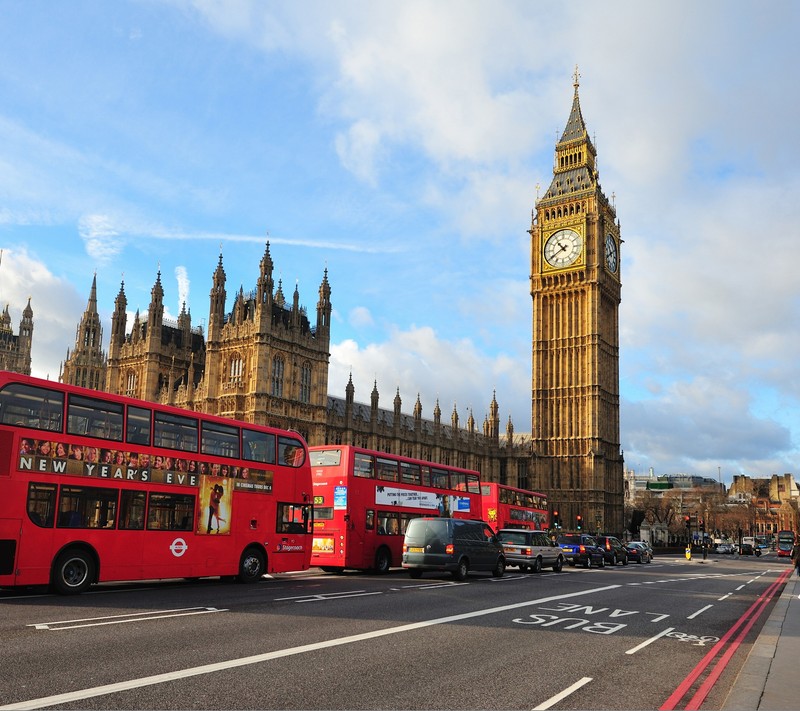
x=455 y=545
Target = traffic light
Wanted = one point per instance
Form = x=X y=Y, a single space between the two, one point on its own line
x=702 y=525
x=556 y=519
x=579 y=522
x=687 y=520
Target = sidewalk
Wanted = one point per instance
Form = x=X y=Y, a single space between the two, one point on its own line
x=769 y=678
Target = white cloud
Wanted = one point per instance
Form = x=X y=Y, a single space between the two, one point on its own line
x=360 y=316
x=100 y=237
x=182 y=277
x=454 y=373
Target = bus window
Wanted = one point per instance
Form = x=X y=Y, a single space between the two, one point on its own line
x=370 y=520
x=41 y=504
x=94 y=417
x=440 y=479
x=131 y=509
x=291 y=452
x=386 y=469
x=388 y=523
x=323 y=513
x=138 y=431
x=363 y=465
x=326 y=458
x=409 y=473
x=221 y=440
x=175 y=432
x=87 y=507
x=458 y=481
x=473 y=483
x=293 y=518
x=258 y=446
x=30 y=406
x=170 y=512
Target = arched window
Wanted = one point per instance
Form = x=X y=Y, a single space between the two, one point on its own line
x=305 y=383
x=236 y=369
x=277 y=376
x=130 y=384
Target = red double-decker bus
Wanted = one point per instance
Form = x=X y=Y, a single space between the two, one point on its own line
x=363 y=501
x=785 y=543
x=97 y=487
x=509 y=507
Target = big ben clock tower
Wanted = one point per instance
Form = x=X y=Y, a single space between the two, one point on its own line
x=575 y=286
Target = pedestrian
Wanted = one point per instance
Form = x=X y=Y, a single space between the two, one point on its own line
x=796 y=557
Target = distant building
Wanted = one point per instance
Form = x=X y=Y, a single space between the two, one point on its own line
x=85 y=364
x=15 y=350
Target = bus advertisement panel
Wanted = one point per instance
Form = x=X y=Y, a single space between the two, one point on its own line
x=363 y=501
x=509 y=507
x=785 y=543
x=98 y=487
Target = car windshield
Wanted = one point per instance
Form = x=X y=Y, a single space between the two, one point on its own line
x=518 y=537
x=570 y=540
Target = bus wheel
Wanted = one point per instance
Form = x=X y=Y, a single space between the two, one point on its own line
x=73 y=572
x=252 y=566
x=383 y=561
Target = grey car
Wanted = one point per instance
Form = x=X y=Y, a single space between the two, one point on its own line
x=530 y=550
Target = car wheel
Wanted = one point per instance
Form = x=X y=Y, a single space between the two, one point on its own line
x=588 y=562
x=461 y=572
x=625 y=560
x=558 y=565
x=537 y=566
x=613 y=559
x=499 y=567
x=602 y=563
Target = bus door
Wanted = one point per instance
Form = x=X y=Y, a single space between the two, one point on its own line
x=10 y=529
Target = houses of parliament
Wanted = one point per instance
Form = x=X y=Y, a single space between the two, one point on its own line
x=264 y=359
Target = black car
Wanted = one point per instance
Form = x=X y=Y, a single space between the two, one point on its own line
x=638 y=552
x=580 y=549
x=613 y=550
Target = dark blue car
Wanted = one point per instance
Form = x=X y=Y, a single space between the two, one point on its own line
x=580 y=549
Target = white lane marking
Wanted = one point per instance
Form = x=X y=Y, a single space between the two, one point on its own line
x=122 y=619
x=553 y=700
x=701 y=611
x=638 y=647
x=117 y=687
x=724 y=597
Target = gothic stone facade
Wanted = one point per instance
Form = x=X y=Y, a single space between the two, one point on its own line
x=265 y=362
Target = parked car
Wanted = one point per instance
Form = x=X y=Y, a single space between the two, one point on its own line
x=530 y=550
x=725 y=548
x=637 y=551
x=580 y=549
x=613 y=550
x=455 y=545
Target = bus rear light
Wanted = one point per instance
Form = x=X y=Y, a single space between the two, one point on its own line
x=449 y=549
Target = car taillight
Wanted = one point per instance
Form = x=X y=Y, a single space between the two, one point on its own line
x=582 y=548
x=405 y=548
x=608 y=546
x=449 y=549
x=527 y=551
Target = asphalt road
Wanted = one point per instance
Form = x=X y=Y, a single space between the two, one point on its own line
x=613 y=638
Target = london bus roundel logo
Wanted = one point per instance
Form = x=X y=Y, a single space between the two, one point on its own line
x=178 y=547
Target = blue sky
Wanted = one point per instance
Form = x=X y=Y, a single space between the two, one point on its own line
x=399 y=146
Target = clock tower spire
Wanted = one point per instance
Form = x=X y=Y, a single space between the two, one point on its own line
x=576 y=292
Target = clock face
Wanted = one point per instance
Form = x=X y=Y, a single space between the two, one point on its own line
x=563 y=248
x=611 y=253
